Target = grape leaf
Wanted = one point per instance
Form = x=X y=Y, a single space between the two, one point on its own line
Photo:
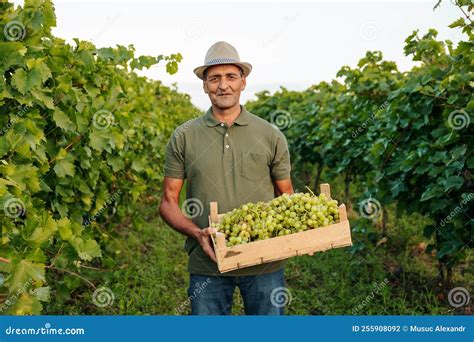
x=25 y=81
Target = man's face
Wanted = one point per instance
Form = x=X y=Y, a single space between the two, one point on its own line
x=223 y=84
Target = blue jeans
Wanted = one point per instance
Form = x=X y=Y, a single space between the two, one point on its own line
x=213 y=295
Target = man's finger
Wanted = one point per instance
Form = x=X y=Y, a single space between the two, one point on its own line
x=209 y=251
x=209 y=231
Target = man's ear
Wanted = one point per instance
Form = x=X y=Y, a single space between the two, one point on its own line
x=205 y=88
x=244 y=82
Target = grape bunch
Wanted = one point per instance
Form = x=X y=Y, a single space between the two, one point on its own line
x=283 y=215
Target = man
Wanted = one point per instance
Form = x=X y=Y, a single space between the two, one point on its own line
x=232 y=157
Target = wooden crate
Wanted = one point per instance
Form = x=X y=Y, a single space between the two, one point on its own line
x=282 y=247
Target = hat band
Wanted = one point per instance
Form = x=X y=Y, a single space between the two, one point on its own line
x=221 y=61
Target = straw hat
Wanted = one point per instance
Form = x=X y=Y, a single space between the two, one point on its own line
x=222 y=53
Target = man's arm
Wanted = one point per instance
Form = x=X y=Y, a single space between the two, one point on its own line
x=171 y=213
x=283 y=186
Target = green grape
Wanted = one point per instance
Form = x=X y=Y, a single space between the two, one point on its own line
x=281 y=216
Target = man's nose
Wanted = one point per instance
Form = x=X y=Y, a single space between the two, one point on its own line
x=223 y=84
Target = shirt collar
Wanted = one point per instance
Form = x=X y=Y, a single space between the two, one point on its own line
x=242 y=119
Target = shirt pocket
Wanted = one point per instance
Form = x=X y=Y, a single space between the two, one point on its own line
x=254 y=166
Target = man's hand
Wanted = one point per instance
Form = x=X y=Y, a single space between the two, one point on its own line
x=204 y=239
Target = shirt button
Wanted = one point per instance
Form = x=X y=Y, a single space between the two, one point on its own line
x=226 y=146
x=227 y=134
x=222 y=124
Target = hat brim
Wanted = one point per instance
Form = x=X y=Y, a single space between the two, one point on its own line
x=246 y=67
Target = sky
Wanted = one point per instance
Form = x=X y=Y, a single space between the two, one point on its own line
x=289 y=44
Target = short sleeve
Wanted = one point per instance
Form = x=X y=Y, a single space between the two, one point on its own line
x=174 y=157
x=280 y=166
